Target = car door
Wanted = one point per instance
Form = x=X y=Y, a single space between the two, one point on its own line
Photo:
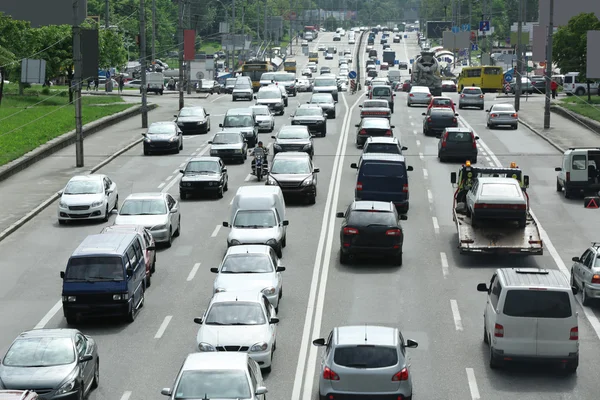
x=270 y=313
x=276 y=262
x=472 y=196
x=326 y=360
x=585 y=270
x=86 y=369
x=111 y=188
x=491 y=307
x=138 y=275
x=173 y=215
x=149 y=241
x=578 y=167
x=223 y=170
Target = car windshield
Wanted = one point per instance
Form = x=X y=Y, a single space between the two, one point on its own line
x=293 y=133
x=369 y=217
x=306 y=111
x=537 y=304
x=321 y=99
x=389 y=148
x=375 y=123
x=471 y=91
x=230 y=82
x=375 y=104
x=226 y=138
x=503 y=107
x=442 y=102
x=247 y=264
x=161 y=129
x=254 y=219
x=242 y=85
x=207 y=166
x=268 y=94
x=191 y=112
x=284 y=78
x=143 y=207
x=500 y=190
x=382 y=91
x=290 y=166
x=325 y=82
x=366 y=356
x=84 y=187
x=238 y=121
x=213 y=384
x=40 y=352
x=381 y=170
x=268 y=76
x=95 y=269
x=261 y=111
x=235 y=313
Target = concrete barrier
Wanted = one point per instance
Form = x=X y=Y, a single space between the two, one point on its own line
x=574 y=117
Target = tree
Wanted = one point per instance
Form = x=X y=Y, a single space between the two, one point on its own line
x=112 y=51
x=569 y=49
x=6 y=58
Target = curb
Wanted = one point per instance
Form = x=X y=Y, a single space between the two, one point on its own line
x=65 y=140
x=585 y=122
x=125 y=94
x=541 y=135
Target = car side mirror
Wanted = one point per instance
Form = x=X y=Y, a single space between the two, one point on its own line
x=60 y=193
x=409 y=168
x=319 y=342
x=403 y=217
x=255 y=98
x=367 y=94
x=86 y=358
x=226 y=224
x=575 y=259
x=476 y=137
x=62 y=274
x=285 y=223
x=404 y=148
x=280 y=269
x=556 y=169
x=181 y=171
x=274 y=320
x=143 y=134
x=335 y=102
x=220 y=125
x=487 y=111
x=308 y=102
x=357 y=125
x=482 y=287
x=354 y=166
x=453 y=177
x=392 y=126
x=214 y=270
x=129 y=271
x=526 y=181
x=224 y=169
x=423 y=114
x=207 y=114
x=438 y=136
x=339 y=215
x=273 y=137
x=411 y=344
x=261 y=390
x=316 y=170
x=456 y=115
x=173 y=210
x=151 y=248
x=166 y=392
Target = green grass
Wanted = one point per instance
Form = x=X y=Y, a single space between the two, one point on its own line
x=581 y=106
x=25 y=124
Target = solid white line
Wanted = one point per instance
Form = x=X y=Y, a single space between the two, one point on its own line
x=169 y=178
x=436 y=226
x=418 y=142
x=126 y=395
x=248 y=178
x=472 y=384
x=456 y=315
x=421 y=156
x=270 y=145
x=181 y=165
x=176 y=171
x=429 y=196
x=163 y=327
x=444 y=259
x=415 y=131
x=176 y=177
x=193 y=272
x=161 y=185
x=49 y=315
x=216 y=231
x=425 y=173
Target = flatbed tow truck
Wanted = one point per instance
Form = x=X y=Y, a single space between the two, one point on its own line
x=493 y=237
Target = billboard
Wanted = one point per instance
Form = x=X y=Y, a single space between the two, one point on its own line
x=455 y=41
x=44 y=12
x=436 y=29
x=89 y=53
x=564 y=10
x=593 y=57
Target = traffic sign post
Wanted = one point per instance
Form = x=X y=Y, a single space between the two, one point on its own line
x=352 y=75
x=508 y=77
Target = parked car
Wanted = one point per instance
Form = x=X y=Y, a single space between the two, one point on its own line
x=208 y=86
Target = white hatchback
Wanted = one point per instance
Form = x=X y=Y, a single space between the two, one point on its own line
x=87 y=197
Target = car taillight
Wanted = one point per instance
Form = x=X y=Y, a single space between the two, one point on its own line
x=501 y=206
x=401 y=376
x=462 y=96
x=498 y=330
x=474 y=141
x=411 y=95
x=350 y=231
x=393 y=232
x=329 y=375
x=454 y=120
x=574 y=334
x=444 y=138
x=428 y=119
x=568 y=177
x=358 y=186
x=371 y=95
x=362 y=132
x=493 y=115
x=405 y=188
x=429 y=95
x=515 y=115
x=481 y=96
x=388 y=133
x=596 y=278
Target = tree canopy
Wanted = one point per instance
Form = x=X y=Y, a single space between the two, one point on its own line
x=569 y=48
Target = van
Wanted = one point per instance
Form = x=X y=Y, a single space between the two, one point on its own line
x=373 y=54
x=258 y=217
x=394 y=76
x=579 y=172
x=241 y=120
x=574 y=85
x=530 y=315
x=309 y=36
x=105 y=276
x=383 y=177
x=155 y=82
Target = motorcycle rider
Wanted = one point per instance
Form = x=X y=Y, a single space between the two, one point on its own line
x=260 y=152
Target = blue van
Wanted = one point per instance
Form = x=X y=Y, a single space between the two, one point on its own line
x=383 y=177
x=105 y=276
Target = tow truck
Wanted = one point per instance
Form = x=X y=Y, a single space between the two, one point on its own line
x=493 y=237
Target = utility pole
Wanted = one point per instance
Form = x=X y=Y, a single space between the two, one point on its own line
x=233 y=59
x=181 y=66
x=549 y=66
x=76 y=86
x=106 y=14
x=188 y=71
x=153 y=30
x=517 y=74
x=143 y=64
x=290 y=34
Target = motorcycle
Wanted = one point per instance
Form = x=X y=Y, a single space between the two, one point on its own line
x=259 y=168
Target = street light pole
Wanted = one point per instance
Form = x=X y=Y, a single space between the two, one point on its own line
x=549 y=66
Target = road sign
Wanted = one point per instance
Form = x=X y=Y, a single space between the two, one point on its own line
x=411 y=61
x=455 y=29
x=508 y=77
x=352 y=74
x=484 y=26
x=591 y=202
x=474 y=47
x=542 y=63
x=107 y=74
x=377 y=62
x=465 y=27
x=405 y=36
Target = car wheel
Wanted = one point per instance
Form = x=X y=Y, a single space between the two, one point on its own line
x=515 y=127
x=344 y=258
x=522 y=222
x=280 y=293
x=481 y=107
x=398 y=260
x=148 y=280
x=146 y=152
x=571 y=366
x=494 y=362
x=183 y=195
x=132 y=313
x=485 y=335
x=71 y=318
x=585 y=300
x=153 y=268
x=106 y=214
x=170 y=239
x=333 y=115
x=96 y=379
x=226 y=187
x=558 y=186
x=180 y=146
x=80 y=392
x=116 y=207
x=220 y=193
x=278 y=251
x=178 y=231
x=460 y=107
x=567 y=193
x=474 y=160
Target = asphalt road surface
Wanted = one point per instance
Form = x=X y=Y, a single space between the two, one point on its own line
x=432 y=298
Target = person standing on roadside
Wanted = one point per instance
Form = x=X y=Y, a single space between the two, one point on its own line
x=121 y=84
x=554 y=88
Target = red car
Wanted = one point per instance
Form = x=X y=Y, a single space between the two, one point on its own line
x=384 y=66
x=406 y=86
x=440 y=101
x=448 y=86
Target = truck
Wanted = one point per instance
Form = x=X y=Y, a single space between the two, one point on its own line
x=389 y=56
x=155 y=82
x=493 y=237
x=426 y=72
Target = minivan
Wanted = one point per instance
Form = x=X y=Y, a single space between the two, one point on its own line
x=105 y=276
x=530 y=315
x=381 y=92
x=383 y=177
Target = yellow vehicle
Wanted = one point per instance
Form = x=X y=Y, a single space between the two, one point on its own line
x=488 y=79
x=313 y=56
x=254 y=69
x=289 y=66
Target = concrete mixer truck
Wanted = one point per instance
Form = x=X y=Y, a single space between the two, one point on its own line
x=426 y=72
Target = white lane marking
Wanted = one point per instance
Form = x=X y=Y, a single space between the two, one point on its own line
x=176 y=178
x=429 y=196
x=49 y=315
x=488 y=159
x=492 y=164
x=248 y=178
x=181 y=165
x=425 y=173
x=193 y=272
x=231 y=202
x=126 y=395
x=217 y=98
x=436 y=226
x=161 y=185
x=473 y=384
x=410 y=117
x=412 y=124
x=198 y=149
x=216 y=231
x=418 y=142
x=163 y=327
x=176 y=171
x=415 y=131
x=270 y=145
x=421 y=156
x=456 y=315
x=169 y=178
x=484 y=152
x=445 y=269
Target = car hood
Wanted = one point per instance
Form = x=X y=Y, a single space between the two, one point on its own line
x=292 y=141
x=242 y=282
x=290 y=177
x=34 y=378
x=241 y=335
x=253 y=236
x=268 y=101
x=308 y=118
x=325 y=105
x=244 y=129
x=190 y=119
x=263 y=118
x=203 y=177
x=147 y=221
x=81 y=199
x=160 y=138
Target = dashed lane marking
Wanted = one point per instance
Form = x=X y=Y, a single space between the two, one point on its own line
x=161 y=185
x=436 y=226
x=193 y=272
x=421 y=156
x=456 y=315
x=163 y=327
x=418 y=142
x=425 y=173
x=248 y=178
x=473 y=384
x=126 y=395
x=49 y=315
x=430 y=196
x=216 y=231
x=445 y=269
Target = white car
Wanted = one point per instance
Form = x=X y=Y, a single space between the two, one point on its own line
x=329 y=56
x=337 y=37
x=264 y=118
x=251 y=267
x=304 y=43
x=135 y=84
x=284 y=93
x=312 y=66
x=87 y=197
x=498 y=199
x=239 y=321
x=351 y=41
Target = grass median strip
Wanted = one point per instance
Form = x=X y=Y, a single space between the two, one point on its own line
x=582 y=106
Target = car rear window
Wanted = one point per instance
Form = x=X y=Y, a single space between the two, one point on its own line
x=381 y=91
x=459 y=137
x=385 y=170
x=472 y=91
x=537 y=304
x=500 y=190
x=389 y=148
x=366 y=356
x=364 y=218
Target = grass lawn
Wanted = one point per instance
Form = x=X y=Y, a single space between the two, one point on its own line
x=29 y=121
x=581 y=106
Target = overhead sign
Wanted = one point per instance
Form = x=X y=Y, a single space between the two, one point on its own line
x=352 y=75
x=484 y=26
x=42 y=13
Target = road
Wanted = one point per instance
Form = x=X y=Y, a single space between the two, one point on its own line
x=432 y=298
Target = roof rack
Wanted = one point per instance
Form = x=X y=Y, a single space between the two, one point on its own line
x=584 y=147
x=595 y=244
x=539 y=271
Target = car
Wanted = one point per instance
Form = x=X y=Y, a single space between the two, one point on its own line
x=378 y=144
x=368 y=48
x=326 y=84
x=326 y=102
x=134 y=83
x=293 y=138
x=365 y=362
x=383 y=41
x=384 y=66
x=337 y=37
x=304 y=85
x=418 y=95
x=325 y=70
x=271 y=97
x=163 y=137
x=230 y=146
x=312 y=66
x=372 y=73
x=440 y=101
x=208 y=86
x=375 y=108
x=459 y=143
x=218 y=375
x=585 y=274
x=229 y=85
x=493 y=198
x=372 y=127
x=526 y=86
x=329 y=56
x=307 y=72
x=193 y=120
x=91 y=196
x=351 y=40
x=437 y=119
x=264 y=118
x=382 y=92
x=311 y=116
x=157 y=212
x=396 y=39
x=283 y=92
x=578 y=171
x=56 y=363
x=538 y=83
x=471 y=97
x=241 y=120
x=448 y=86
x=203 y=175
x=402 y=65
x=295 y=174
x=250 y=267
x=18 y=394
x=502 y=114
x=304 y=43
x=242 y=89
x=321 y=47
x=288 y=81
x=406 y=85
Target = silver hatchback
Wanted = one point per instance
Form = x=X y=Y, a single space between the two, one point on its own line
x=471 y=97
x=418 y=95
x=365 y=361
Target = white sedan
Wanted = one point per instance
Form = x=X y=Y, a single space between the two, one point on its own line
x=264 y=118
x=87 y=197
x=329 y=56
x=497 y=199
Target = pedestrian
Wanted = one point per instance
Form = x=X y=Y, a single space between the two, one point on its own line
x=89 y=84
x=96 y=83
x=121 y=84
x=554 y=88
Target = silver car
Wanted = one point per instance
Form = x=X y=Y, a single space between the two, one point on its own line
x=157 y=212
x=264 y=118
x=502 y=114
x=326 y=84
x=87 y=197
x=365 y=361
x=471 y=97
x=418 y=95
x=585 y=274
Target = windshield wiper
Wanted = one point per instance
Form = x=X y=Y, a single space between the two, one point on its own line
x=102 y=278
x=214 y=323
x=146 y=214
x=240 y=324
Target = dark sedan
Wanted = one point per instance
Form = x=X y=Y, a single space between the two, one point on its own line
x=372 y=127
x=295 y=174
x=312 y=117
x=229 y=146
x=203 y=175
x=193 y=120
x=448 y=86
x=371 y=228
x=58 y=364
x=326 y=102
x=539 y=84
x=293 y=138
x=458 y=143
x=375 y=108
x=163 y=137
x=437 y=119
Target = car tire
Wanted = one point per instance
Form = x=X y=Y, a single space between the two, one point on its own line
x=226 y=187
x=333 y=116
x=153 y=268
x=180 y=146
x=279 y=251
x=96 y=379
x=178 y=231
x=398 y=260
x=169 y=240
x=71 y=318
x=116 y=206
x=146 y=152
x=284 y=242
x=220 y=193
x=460 y=107
x=522 y=222
x=515 y=127
x=62 y=221
x=148 y=280
x=486 y=340
x=344 y=258
x=568 y=194
x=183 y=195
x=558 y=186
x=585 y=300
x=80 y=395
x=481 y=107
x=571 y=366
x=474 y=160
x=494 y=362
x=106 y=214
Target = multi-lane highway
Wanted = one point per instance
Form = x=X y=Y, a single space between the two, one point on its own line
x=432 y=298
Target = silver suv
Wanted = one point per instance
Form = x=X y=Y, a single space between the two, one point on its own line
x=471 y=97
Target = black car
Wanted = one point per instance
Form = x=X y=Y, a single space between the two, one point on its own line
x=229 y=145
x=295 y=174
x=312 y=117
x=203 y=175
x=371 y=228
x=372 y=127
x=539 y=84
x=458 y=143
x=372 y=73
x=193 y=120
x=293 y=138
x=163 y=137
x=325 y=70
x=437 y=119
x=58 y=364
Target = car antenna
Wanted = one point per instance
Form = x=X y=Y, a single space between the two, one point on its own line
x=205 y=397
x=365 y=333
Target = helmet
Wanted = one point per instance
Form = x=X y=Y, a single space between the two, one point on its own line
x=513 y=165
x=260 y=143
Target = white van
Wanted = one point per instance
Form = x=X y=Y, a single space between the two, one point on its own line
x=579 y=172
x=258 y=217
x=530 y=316
x=572 y=84
x=155 y=82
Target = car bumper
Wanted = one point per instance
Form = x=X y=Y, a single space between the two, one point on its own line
x=161 y=146
x=65 y=214
x=312 y=128
x=374 y=250
x=299 y=191
x=237 y=156
x=499 y=122
x=200 y=189
x=470 y=103
x=264 y=125
x=237 y=96
x=418 y=101
x=263 y=359
x=286 y=149
x=466 y=155
x=160 y=236
x=535 y=359
x=363 y=396
x=202 y=128
x=499 y=214
x=96 y=310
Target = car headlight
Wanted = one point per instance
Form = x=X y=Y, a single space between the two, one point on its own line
x=220 y=290
x=199 y=122
x=62 y=204
x=97 y=204
x=268 y=291
x=206 y=347
x=66 y=388
x=275 y=145
x=121 y=296
x=271 y=181
x=271 y=242
x=307 y=147
x=174 y=138
x=241 y=151
x=159 y=228
x=308 y=181
x=261 y=346
x=235 y=243
x=69 y=299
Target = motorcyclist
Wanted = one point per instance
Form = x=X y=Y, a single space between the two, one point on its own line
x=260 y=152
